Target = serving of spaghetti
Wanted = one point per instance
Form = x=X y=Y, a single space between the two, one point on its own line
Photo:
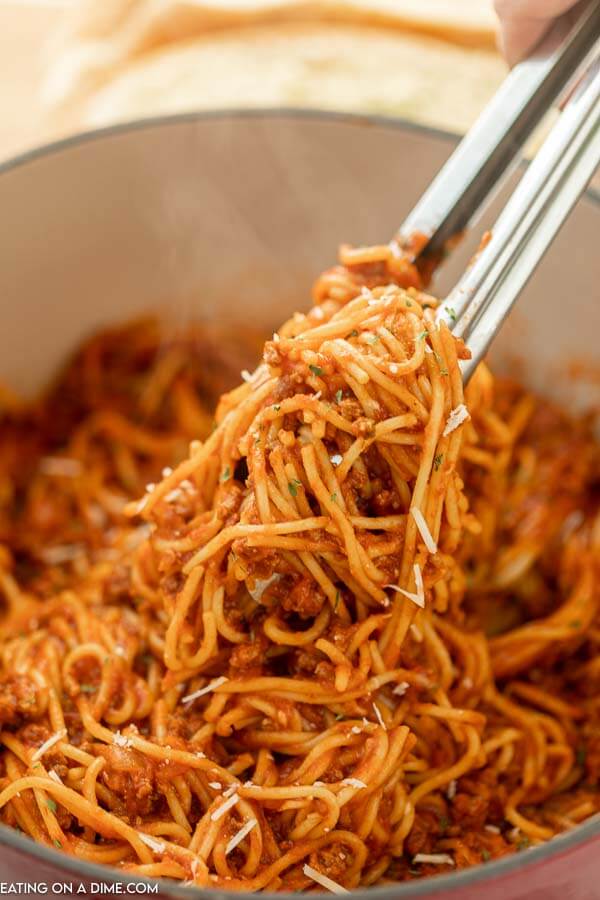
x=341 y=632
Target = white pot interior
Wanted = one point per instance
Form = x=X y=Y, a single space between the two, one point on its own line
x=231 y=217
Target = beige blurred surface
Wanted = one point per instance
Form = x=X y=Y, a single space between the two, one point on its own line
x=24 y=30
x=68 y=65
x=348 y=68
x=433 y=61
x=72 y=65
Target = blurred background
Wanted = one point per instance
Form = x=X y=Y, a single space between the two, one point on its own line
x=72 y=65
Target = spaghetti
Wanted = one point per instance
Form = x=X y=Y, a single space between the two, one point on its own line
x=350 y=637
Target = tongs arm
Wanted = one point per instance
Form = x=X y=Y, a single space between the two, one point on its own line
x=477 y=306
x=493 y=143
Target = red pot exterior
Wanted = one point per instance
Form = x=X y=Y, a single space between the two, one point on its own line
x=573 y=874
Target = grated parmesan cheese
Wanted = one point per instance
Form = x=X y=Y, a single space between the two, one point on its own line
x=260 y=586
x=354 y=782
x=241 y=834
x=419 y=597
x=121 y=741
x=336 y=459
x=140 y=505
x=401 y=688
x=434 y=859
x=324 y=881
x=152 y=843
x=414 y=597
x=355 y=730
x=59 y=466
x=457 y=416
x=220 y=811
x=493 y=829
x=423 y=529
x=216 y=785
x=451 y=790
x=211 y=686
x=47 y=745
x=377 y=712
x=62 y=553
x=55 y=776
x=419 y=581
x=246 y=375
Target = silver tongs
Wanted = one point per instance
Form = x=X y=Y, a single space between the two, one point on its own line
x=477 y=306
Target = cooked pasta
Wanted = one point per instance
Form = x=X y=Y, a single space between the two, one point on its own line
x=345 y=634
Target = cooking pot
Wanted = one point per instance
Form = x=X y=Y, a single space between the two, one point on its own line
x=230 y=217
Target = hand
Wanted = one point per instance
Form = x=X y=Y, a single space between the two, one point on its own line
x=523 y=23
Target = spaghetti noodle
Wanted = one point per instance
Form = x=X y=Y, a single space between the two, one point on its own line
x=350 y=637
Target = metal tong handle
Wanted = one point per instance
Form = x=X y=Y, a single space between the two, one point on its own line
x=543 y=199
x=495 y=139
